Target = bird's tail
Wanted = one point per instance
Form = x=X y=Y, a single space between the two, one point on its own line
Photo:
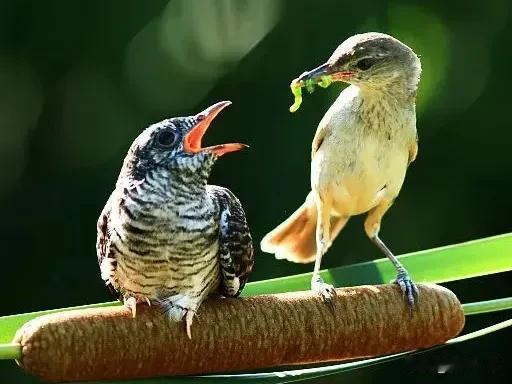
x=294 y=239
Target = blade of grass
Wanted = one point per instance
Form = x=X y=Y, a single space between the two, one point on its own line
x=438 y=265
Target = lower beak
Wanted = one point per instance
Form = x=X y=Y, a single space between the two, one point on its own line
x=192 y=141
x=326 y=70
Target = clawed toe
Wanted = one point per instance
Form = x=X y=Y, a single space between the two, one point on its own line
x=172 y=308
x=326 y=291
x=189 y=318
x=130 y=302
x=409 y=289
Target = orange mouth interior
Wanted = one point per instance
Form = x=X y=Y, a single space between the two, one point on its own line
x=193 y=139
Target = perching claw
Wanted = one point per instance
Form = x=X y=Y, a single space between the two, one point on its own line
x=130 y=302
x=189 y=317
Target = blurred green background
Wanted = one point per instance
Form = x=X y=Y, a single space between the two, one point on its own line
x=80 y=79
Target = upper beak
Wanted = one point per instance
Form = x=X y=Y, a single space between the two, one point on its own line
x=192 y=141
x=326 y=70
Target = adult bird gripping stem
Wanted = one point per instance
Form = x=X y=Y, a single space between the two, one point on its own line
x=166 y=237
x=360 y=152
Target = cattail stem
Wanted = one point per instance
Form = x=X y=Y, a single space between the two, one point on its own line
x=487 y=306
x=10 y=351
x=237 y=334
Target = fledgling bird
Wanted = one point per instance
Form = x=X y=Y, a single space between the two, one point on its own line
x=360 y=152
x=165 y=236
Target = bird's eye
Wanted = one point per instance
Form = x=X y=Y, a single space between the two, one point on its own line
x=365 y=64
x=166 y=138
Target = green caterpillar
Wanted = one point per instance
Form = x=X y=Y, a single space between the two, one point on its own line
x=297 y=85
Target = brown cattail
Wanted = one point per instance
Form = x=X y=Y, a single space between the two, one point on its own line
x=237 y=334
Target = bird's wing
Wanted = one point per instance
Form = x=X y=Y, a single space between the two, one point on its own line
x=236 y=251
x=318 y=139
x=106 y=258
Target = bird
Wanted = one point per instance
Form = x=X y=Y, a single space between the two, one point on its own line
x=165 y=236
x=360 y=153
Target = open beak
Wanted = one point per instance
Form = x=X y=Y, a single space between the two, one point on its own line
x=192 y=142
x=326 y=70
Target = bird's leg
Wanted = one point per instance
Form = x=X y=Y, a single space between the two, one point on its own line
x=408 y=288
x=323 y=241
x=372 y=227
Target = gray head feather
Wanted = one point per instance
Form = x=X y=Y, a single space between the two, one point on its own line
x=379 y=61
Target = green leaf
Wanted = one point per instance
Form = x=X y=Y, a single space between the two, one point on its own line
x=438 y=265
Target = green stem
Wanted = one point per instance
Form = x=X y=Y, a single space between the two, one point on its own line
x=10 y=351
x=487 y=306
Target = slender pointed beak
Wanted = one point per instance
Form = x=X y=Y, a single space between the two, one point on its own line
x=192 y=141
x=326 y=70
x=322 y=70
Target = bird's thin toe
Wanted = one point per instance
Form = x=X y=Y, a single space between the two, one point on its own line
x=326 y=291
x=409 y=289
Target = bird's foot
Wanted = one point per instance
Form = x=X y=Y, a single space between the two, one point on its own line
x=130 y=302
x=409 y=289
x=179 y=307
x=326 y=291
x=177 y=313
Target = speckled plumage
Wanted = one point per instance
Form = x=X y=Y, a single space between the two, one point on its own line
x=165 y=237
